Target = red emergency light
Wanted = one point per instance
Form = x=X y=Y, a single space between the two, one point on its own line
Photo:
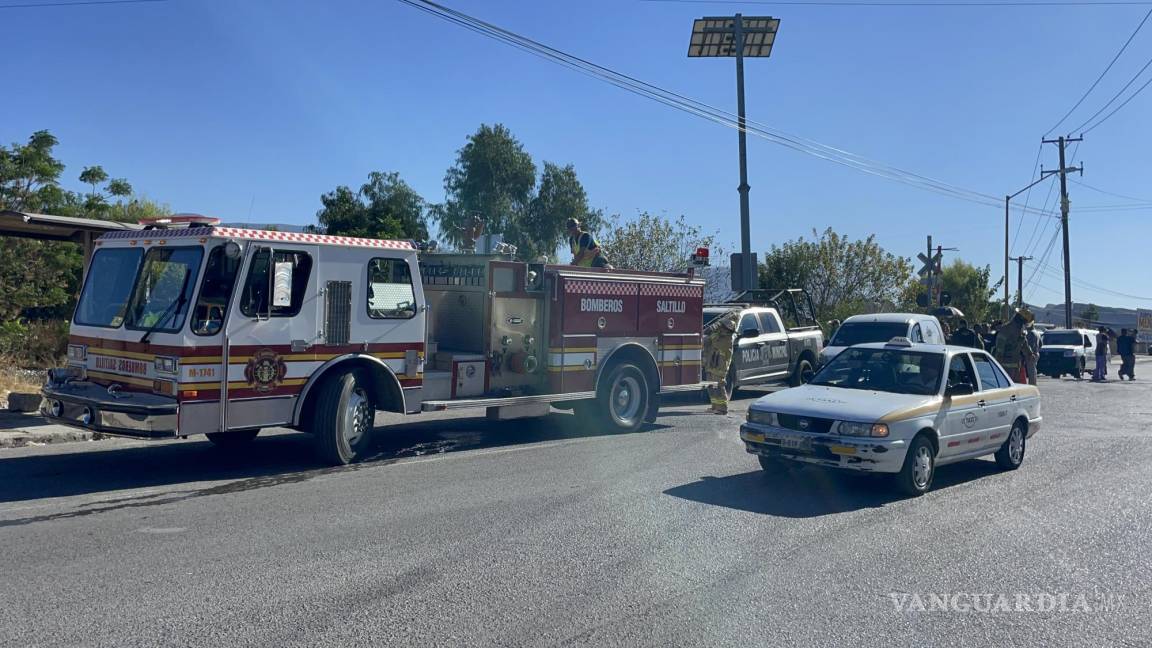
x=701 y=257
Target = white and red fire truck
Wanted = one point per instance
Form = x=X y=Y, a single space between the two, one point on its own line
x=202 y=329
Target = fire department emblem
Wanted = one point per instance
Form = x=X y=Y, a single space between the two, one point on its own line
x=265 y=370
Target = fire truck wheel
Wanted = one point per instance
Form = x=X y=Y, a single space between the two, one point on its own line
x=344 y=417
x=231 y=440
x=624 y=398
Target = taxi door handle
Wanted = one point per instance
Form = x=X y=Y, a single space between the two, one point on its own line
x=981 y=403
x=1013 y=398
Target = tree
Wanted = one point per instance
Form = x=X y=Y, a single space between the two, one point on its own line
x=28 y=173
x=561 y=196
x=492 y=180
x=652 y=242
x=385 y=207
x=93 y=175
x=971 y=290
x=843 y=276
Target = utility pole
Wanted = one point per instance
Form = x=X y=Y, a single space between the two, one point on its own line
x=745 y=218
x=1062 y=142
x=1019 y=278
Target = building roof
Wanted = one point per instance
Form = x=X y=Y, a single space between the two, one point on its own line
x=49 y=227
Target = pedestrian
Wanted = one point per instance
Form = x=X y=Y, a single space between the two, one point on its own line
x=833 y=326
x=719 y=338
x=1100 y=374
x=966 y=337
x=1011 y=348
x=947 y=330
x=586 y=252
x=1033 y=340
x=1126 y=348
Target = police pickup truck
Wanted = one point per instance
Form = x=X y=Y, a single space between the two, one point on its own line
x=777 y=338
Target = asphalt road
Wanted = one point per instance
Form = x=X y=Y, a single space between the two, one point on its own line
x=466 y=532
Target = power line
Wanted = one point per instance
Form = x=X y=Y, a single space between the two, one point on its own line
x=74 y=3
x=1027 y=197
x=1117 y=109
x=1081 y=128
x=1081 y=183
x=872 y=3
x=699 y=108
x=1099 y=78
x=1091 y=287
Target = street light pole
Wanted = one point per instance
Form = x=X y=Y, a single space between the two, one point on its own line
x=1007 y=199
x=740 y=37
x=745 y=218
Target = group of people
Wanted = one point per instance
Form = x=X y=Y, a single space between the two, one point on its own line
x=1125 y=347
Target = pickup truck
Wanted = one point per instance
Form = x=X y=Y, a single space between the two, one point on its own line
x=777 y=340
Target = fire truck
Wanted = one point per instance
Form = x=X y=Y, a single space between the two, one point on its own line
x=187 y=328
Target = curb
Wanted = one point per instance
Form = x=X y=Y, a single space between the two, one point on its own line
x=23 y=438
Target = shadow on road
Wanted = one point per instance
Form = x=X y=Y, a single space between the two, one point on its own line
x=20 y=421
x=270 y=460
x=812 y=492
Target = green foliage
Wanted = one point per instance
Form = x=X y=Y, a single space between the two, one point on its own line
x=40 y=279
x=492 y=180
x=384 y=208
x=843 y=276
x=34 y=344
x=971 y=290
x=652 y=242
x=561 y=196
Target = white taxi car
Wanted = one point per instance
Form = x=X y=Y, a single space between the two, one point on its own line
x=899 y=408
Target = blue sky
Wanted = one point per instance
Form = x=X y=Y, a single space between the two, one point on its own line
x=250 y=110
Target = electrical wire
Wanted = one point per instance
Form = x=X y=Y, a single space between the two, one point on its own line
x=74 y=3
x=1101 y=77
x=1052 y=273
x=1081 y=128
x=1081 y=183
x=1117 y=109
x=1027 y=197
x=701 y=109
x=873 y=3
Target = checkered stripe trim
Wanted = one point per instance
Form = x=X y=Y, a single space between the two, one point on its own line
x=682 y=291
x=260 y=235
x=600 y=288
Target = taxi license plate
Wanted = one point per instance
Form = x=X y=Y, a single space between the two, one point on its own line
x=795 y=443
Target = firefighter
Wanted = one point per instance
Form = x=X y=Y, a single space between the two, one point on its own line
x=719 y=338
x=586 y=251
x=1011 y=349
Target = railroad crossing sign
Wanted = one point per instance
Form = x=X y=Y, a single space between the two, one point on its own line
x=931 y=266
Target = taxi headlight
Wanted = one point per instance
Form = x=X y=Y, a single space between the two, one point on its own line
x=763 y=418
x=850 y=428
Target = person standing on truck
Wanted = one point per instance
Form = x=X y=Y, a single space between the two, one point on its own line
x=719 y=338
x=586 y=252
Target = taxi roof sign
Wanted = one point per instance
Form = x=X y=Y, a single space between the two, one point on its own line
x=899 y=341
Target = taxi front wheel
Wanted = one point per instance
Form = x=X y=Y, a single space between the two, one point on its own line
x=915 y=478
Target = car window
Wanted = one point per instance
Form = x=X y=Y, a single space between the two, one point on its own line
x=990 y=378
x=884 y=370
x=916 y=335
x=851 y=333
x=749 y=321
x=960 y=372
x=290 y=268
x=390 y=293
x=768 y=323
x=1087 y=342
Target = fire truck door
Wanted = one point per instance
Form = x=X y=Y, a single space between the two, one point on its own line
x=269 y=336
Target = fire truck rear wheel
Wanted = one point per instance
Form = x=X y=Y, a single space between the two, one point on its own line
x=343 y=418
x=623 y=398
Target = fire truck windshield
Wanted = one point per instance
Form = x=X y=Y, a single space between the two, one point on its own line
x=150 y=296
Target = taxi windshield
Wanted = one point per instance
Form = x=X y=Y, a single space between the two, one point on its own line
x=851 y=333
x=1065 y=338
x=884 y=370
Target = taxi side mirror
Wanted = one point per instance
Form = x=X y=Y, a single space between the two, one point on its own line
x=963 y=389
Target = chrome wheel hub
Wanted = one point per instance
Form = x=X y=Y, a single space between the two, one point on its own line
x=922 y=466
x=358 y=416
x=1016 y=445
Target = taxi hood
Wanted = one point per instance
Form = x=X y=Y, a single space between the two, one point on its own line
x=818 y=401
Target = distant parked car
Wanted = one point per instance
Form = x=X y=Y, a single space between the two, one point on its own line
x=1067 y=351
x=881 y=327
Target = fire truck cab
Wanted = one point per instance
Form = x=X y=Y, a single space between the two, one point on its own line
x=202 y=329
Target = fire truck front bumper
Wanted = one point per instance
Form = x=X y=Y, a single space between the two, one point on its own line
x=90 y=406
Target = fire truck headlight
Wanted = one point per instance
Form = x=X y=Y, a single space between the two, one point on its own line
x=77 y=352
x=165 y=364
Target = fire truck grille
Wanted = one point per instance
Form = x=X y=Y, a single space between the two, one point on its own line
x=338 y=312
